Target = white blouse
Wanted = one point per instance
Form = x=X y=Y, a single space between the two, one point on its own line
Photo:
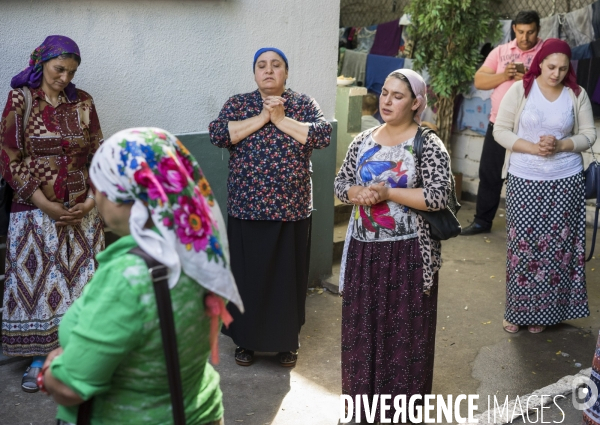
x=540 y=117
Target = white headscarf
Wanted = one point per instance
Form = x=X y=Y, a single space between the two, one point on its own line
x=419 y=88
x=152 y=169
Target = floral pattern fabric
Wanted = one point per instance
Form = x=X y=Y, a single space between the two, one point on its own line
x=54 y=152
x=269 y=171
x=395 y=166
x=545 y=265
x=433 y=177
x=152 y=169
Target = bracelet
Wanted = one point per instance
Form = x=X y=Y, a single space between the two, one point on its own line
x=91 y=197
x=40 y=380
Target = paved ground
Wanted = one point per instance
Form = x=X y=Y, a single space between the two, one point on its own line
x=473 y=354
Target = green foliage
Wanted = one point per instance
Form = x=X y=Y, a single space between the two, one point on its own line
x=448 y=35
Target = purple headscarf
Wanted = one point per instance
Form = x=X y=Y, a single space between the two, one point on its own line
x=53 y=46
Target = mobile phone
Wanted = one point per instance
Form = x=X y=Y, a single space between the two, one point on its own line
x=520 y=67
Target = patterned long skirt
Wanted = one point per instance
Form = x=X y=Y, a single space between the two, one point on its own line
x=388 y=323
x=46 y=269
x=545 y=265
x=591 y=416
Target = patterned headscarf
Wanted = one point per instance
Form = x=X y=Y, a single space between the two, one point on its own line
x=53 y=46
x=150 y=167
x=419 y=88
x=551 y=46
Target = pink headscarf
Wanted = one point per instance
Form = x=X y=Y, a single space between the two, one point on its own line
x=419 y=88
x=550 y=46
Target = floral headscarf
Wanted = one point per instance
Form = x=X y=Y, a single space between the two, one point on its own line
x=150 y=167
x=53 y=46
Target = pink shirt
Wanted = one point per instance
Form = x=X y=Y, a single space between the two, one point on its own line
x=498 y=60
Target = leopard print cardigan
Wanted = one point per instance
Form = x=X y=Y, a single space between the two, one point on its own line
x=434 y=178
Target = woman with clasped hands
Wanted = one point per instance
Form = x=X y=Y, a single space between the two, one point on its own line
x=270 y=134
x=389 y=271
x=545 y=122
x=55 y=230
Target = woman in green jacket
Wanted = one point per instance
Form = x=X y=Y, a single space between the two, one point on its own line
x=150 y=191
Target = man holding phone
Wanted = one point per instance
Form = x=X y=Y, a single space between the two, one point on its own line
x=504 y=65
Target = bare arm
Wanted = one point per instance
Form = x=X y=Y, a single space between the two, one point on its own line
x=486 y=78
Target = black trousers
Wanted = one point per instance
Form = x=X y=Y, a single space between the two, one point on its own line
x=490 y=179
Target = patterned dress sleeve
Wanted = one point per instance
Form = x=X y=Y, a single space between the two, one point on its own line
x=219 y=129
x=319 y=132
x=435 y=171
x=12 y=143
x=346 y=177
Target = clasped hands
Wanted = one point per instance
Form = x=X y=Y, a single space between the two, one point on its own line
x=371 y=195
x=273 y=109
x=68 y=216
x=548 y=145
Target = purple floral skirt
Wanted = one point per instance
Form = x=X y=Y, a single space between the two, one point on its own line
x=388 y=323
x=545 y=264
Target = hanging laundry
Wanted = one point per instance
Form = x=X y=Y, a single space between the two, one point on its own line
x=387 y=39
x=406 y=44
x=378 y=68
x=506 y=31
x=596 y=18
x=355 y=65
x=405 y=20
x=474 y=114
x=366 y=38
x=549 y=27
x=577 y=27
x=596 y=48
x=596 y=95
x=482 y=94
x=574 y=65
x=582 y=52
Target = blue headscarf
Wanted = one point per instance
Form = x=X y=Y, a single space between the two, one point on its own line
x=269 y=49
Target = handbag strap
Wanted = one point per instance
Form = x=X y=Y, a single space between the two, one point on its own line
x=159 y=274
x=595 y=231
x=597 y=206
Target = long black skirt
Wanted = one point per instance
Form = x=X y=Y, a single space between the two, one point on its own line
x=269 y=260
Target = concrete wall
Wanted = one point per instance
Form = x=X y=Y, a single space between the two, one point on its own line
x=173 y=64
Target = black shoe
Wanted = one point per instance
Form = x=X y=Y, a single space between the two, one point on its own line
x=244 y=357
x=29 y=381
x=475 y=229
x=288 y=358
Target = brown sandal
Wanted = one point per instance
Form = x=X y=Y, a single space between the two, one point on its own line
x=506 y=325
x=243 y=356
x=288 y=358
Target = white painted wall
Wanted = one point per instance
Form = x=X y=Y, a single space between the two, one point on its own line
x=172 y=64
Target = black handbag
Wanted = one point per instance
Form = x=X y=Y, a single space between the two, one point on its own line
x=6 y=192
x=159 y=273
x=592 y=190
x=443 y=224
